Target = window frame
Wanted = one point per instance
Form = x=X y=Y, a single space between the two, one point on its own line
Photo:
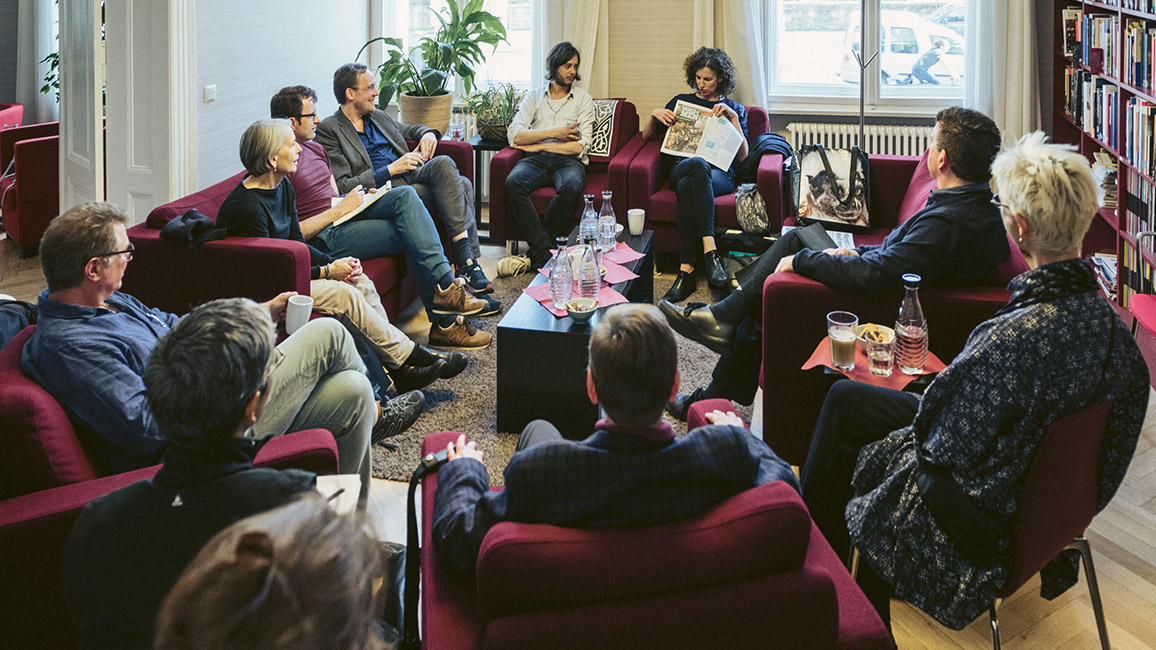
x=843 y=100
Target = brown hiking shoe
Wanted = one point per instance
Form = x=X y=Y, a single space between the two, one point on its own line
x=456 y=300
x=460 y=334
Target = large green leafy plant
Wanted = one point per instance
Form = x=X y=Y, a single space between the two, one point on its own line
x=456 y=49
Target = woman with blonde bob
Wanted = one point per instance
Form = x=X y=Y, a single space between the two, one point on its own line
x=298 y=577
x=934 y=483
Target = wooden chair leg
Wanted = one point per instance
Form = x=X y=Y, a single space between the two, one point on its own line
x=1081 y=545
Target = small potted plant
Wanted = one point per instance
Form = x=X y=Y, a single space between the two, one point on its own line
x=493 y=110
x=455 y=49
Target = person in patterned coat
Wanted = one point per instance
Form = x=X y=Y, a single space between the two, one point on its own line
x=631 y=472
x=1054 y=349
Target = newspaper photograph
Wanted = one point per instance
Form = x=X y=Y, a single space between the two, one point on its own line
x=696 y=133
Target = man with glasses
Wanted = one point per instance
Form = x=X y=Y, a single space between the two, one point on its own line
x=92 y=344
x=956 y=239
x=367 y=147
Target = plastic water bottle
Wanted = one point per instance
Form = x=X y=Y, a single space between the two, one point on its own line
x=607 y=224
x=911 y=330
x=589 y=275
x=561 y=276
x=588 y=225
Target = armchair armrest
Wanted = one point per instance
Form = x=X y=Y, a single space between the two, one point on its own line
x=461 y=152
x=646 y=174
x=775 y=188
x=502 y=227
x=171 y=277
x=314 y=450
x=34 y=199
x=619 y=173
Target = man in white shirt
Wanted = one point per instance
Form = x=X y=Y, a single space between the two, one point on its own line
x=553 y=126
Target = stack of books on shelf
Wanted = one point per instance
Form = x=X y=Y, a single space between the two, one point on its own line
x=1092 y=102
x=1104 y=169
x=1139 y=56
x=1104 y=265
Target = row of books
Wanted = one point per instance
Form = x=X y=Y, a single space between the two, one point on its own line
x=1097 y=48
x=1139 y=68
x=1134 y=275
x=1147 y=6
x=1139 y=203
x=1104 y=171
x=1139 y=127
x=1092 y=102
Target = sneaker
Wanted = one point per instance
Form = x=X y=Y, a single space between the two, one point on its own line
x=492 y=306
x=456 y=300
x=397 y=415
x=460 y=334
x=513 y=265
x=475 y=278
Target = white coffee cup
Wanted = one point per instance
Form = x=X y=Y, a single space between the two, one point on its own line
x=636 y=217
x=297 y=313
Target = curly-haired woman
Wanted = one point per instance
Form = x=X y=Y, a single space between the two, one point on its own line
x=710 y=72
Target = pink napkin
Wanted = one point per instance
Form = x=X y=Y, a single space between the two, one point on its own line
x=621 y=254
x=615 y=273
x=541 y=293
x=897 y=381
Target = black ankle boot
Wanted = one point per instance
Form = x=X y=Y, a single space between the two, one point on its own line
x=410 y=377
x=716 y=275
x=683 y=286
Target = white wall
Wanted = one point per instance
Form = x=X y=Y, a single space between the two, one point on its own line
x=250 y=50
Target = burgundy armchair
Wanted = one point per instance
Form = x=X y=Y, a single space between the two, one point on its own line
x=11 y=115
x=603 y=173
x=795 y=308
x=174 y=278
x=29 y=192
x=650 y=190
x=46 y=478
x=752 y=570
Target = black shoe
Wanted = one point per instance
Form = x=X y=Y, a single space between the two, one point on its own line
x=697 y=322
x=408 y=377
x=716 y=275
x=679 y=408
x=397 y=415
x=456 y=362
x=683 y=286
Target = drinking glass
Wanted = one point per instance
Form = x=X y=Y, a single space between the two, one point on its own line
x=841 y=331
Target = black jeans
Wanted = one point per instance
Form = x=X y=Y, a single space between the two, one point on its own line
x=853 y=416
x=568 y=176
x=695 y=183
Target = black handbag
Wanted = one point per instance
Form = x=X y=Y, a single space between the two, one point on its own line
x=831 y=187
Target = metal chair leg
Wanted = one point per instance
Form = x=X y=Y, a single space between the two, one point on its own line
x=512 y=247
x=994 y=624
x=1081 y=545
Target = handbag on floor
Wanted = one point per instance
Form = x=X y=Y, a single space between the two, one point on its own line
x=831 y=187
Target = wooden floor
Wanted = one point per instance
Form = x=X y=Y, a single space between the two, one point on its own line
x=1123 y=541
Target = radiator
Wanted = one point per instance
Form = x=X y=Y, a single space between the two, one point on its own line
x=889 y=139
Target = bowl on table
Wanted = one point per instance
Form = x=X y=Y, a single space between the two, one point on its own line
x=882 y=333
x=581 y=309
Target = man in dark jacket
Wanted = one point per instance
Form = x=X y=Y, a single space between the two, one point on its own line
x=207 y=381
x=631 y=472
x=957 y=239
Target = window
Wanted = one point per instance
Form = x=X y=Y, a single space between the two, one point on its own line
x=510 y=63
x=920 y=64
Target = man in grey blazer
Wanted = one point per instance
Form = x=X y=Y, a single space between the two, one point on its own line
x=367 y=147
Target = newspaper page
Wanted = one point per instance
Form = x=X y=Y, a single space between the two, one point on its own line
x=696 y=133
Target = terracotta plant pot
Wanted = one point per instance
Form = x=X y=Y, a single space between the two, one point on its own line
x=433 y=112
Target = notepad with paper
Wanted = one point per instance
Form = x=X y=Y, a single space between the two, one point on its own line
x=370 y=199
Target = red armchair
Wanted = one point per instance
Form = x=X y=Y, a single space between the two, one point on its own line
x=603 y=173
x=174 y=278
x=33 y=153
x=795 y=308
x=753 y=571
x=11 y=115
x=650 y=190
x=46 y=479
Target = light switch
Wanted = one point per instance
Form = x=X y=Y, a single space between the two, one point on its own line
x=210 y=93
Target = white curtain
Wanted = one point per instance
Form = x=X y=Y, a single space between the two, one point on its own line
x=1001 y=72
x=735 y=26
x=586 y=24
x=34 y=41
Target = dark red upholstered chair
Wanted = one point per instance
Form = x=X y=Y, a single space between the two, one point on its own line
x=606 y=172
x=696 y=415
x=176 y=279
x=11 y=115
x=750 y=572
x=650 y=189
x=29 y=192
x=795 y=308
x=46 y=478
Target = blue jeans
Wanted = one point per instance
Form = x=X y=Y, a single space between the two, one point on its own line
x=695 y=183
x=396 y=223
x=568 y=176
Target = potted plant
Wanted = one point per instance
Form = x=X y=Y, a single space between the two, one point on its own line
x=494 y=109
x=455 y=49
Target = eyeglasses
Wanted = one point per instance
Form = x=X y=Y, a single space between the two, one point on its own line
x=995 y=201
x=307 y=116
x=127 y=252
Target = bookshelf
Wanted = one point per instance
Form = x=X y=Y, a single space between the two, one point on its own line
x=1104 y=102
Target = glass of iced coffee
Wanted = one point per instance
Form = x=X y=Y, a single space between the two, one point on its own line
x=841 y=331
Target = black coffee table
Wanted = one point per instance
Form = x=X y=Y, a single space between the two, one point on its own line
x=542 y=359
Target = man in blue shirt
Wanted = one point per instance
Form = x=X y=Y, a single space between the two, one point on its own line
x=92 y=343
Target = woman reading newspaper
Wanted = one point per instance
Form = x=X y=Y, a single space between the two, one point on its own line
x=695 y=180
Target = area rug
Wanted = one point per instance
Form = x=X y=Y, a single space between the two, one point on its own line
x=466 y=403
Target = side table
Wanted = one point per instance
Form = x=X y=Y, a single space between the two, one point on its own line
x=480 y=145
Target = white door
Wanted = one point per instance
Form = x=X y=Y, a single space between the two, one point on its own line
x=81 y=103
